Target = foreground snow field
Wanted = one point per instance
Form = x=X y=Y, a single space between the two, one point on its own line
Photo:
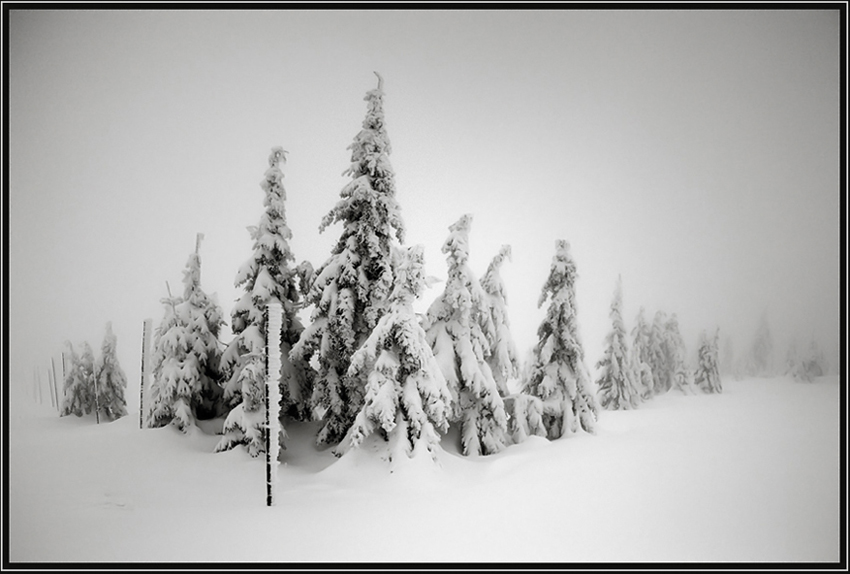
x=748 y=475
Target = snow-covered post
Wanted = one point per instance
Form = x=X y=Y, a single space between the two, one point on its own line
x=38 y=386
x=96 y=400
x=146 y=338
x=50 y=389
x=274 y=323
x=55 y=386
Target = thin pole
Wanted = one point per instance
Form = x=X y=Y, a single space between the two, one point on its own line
x=50 y=388
x=146 y=330
x=40 y=390
x=274 y=322
x=96 y=398
x=55 y=383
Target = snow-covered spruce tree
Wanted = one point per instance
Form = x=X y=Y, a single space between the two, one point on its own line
x=617 y=387
x=728 y=364
x=707 y=376
x=350 y=291
x=265 y=276
x=78 y=387
x=453 y=324
x=681 y=377
x=407 y=399
x=640 y=357
x=502 y=358
x=186 y=383
x=111 y=380
x=658 y=360
x=760 y=359
x=559 y=376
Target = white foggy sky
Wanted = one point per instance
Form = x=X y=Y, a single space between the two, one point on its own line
x=696 y=153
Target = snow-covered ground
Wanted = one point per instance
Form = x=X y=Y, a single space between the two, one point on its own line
x=748 y=475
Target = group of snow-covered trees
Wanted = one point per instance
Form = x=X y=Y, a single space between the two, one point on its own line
x=759 y=358
x=94 y=384
x=655 y=364
x=366 y=366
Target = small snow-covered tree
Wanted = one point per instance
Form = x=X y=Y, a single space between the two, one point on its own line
x=525 y=417
x=350 y=291
x=658 y=360
x=502 y=357
x=267 y=275
x=407 y=399
x=617 y=386
x=641 y=357
x=681 y=377
x=186 y=383
x=805 y=366
x=707 y=376
x=760 y=359
x=78 y=388
x=111 y=380
x=453 y=324
x=559 y=376
x=727 y=357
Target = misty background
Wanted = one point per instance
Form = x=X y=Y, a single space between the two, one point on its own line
x=694 y=153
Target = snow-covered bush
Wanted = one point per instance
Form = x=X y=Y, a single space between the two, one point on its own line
x=111 y=380
x=525 y=417
x=618 y=388
x=350 y=291
x=407 y=399
x=454 y=327
x=559 y=376
x=266 y=276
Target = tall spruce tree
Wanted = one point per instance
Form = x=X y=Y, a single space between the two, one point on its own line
x=641 y=361
x=502 y=357
x=681 y=377
x=407 y=399
x=559 y=376
x=760 y=360
x=616 y=381
x=78 y=387
x=454 y=325
x=658 y=360
x=266 y=276
x=707 y=376
x=350 y=291
x=727 y=361
x=187 y=380
x=111 y=380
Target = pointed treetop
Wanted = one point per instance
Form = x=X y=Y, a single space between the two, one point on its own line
x=198 y=239
x=380 y=81
x=278 y=155
x=504 y=253
x=462 y=224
